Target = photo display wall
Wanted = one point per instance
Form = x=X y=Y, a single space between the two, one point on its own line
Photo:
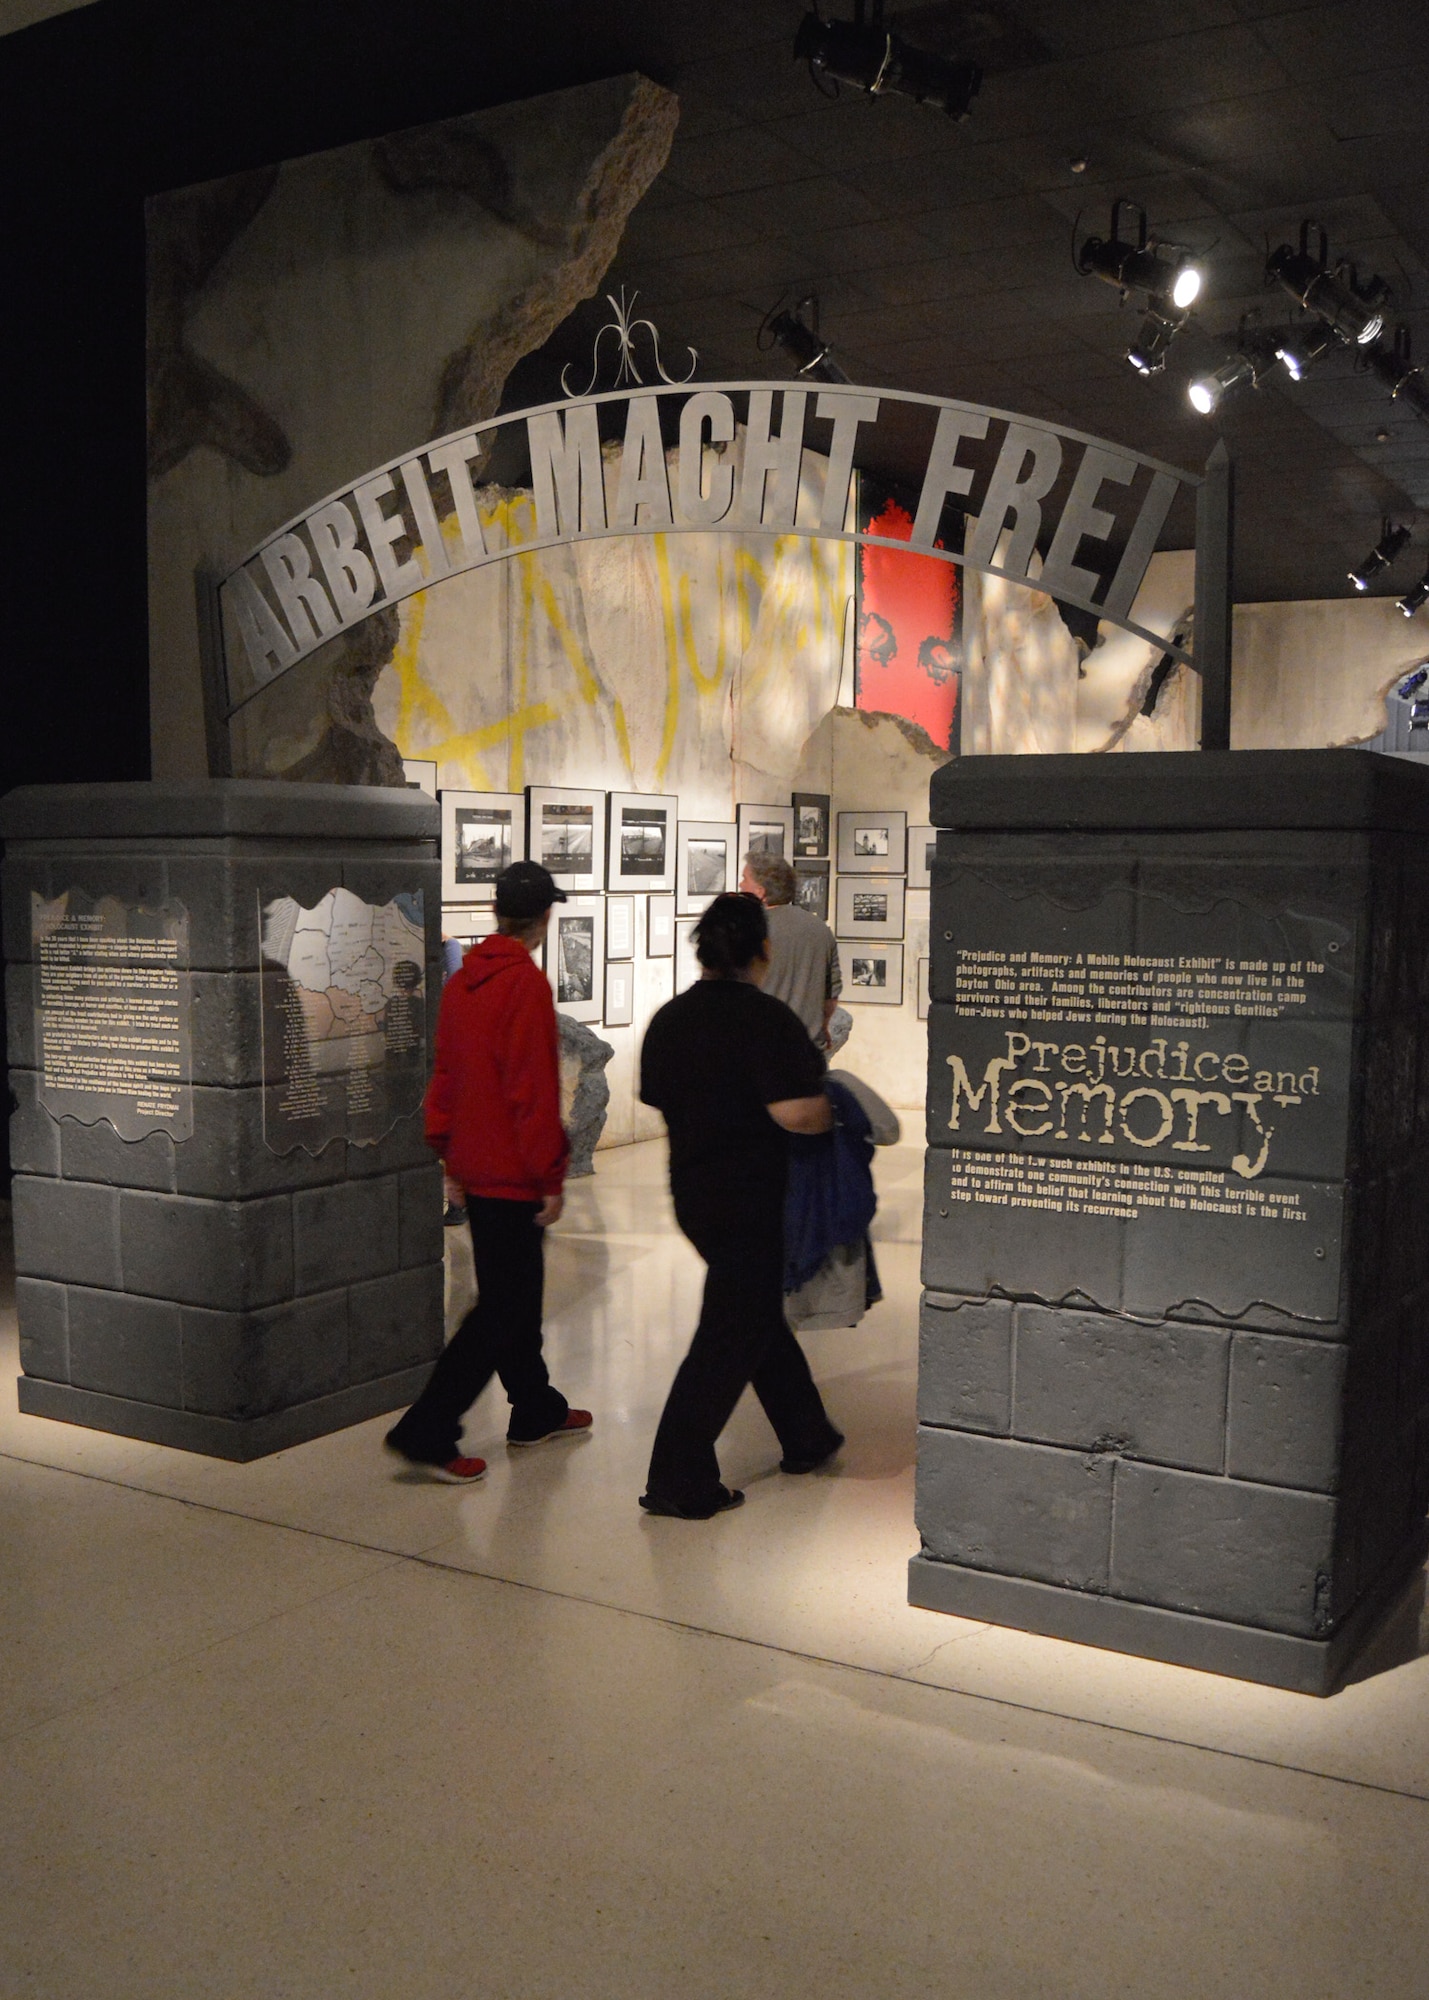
x=638 y=878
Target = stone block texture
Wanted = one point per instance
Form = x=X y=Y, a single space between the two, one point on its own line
x=214 y=1276
x=1214 y=1413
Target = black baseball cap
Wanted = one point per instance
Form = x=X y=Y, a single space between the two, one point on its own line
x=526 y=889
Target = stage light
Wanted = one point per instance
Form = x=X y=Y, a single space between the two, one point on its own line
x=1297 y=348
x=869 y=56
x=1393 y=539
x=1206 y=391
x=1147 y=353
x=1354 y=312
x=1390 y=362
x=1168 y=274
x=1411 y=602
x=801 y=341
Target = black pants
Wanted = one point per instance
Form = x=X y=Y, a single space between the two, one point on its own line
x=742 y=1338
x=501 y=1335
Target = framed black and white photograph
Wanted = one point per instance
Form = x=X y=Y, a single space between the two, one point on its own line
x=705 y=864
x=763 y=830
x=620 y=927
x=869 y=907
x=565 y=832
x=873 y=973
x=659 y=927
x=925 y=987
x=811 y=888
x=575 y=957
x=811 y=826
x=642 y=842
x=872 y=843
x=421 y=774
x=687 y=965
x=482 y=833
x=619 y=994
x=922 y=846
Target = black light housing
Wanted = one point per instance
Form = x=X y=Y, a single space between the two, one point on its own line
x=869 y=56
x=1147 y=353
x=797 y=334
x=1390 y=362
x=1168 y=274
x=1355 y=313
x=1412 y=601
x=1298 y=348
x=1251 y=362
x=1393 y=538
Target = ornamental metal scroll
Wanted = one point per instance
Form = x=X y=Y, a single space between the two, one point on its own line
x=997 y=491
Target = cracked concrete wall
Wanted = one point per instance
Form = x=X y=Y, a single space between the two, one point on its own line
x=312 y=320
x=1315 y=675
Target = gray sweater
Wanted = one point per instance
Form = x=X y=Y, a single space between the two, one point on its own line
x=804 y=964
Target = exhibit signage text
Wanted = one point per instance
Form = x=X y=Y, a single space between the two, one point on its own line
x=1006 y=495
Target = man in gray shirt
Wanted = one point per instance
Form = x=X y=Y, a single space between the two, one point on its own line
x=804 y=959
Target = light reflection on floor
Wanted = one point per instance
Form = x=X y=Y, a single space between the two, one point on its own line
x=323 y=1729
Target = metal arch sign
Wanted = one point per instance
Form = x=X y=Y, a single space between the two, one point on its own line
x=993 y=483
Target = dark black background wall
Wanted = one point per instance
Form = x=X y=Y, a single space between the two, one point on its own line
x=104 y=106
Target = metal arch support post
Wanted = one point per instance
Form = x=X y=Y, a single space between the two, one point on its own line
x=1215 y=531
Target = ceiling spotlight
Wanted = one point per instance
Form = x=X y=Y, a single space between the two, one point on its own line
x=1147 y=353
x=1167 y=273
x=1391 y=363
x=1412 y=601
x=797 y=334
x=1354 y=312
x=1247 y=364
x=1297 y=348
x=869 y=56
x=1393 y=539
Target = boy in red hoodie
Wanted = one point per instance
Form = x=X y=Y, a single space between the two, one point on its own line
x=494 y=1114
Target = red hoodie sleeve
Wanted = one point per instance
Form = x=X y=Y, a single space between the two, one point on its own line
x=441 y=1090
x=532 y=1079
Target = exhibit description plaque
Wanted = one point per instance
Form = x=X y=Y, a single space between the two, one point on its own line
x=344 y=1018
x=112 y=1012
x=1201 y=1095
x=1188 y=1117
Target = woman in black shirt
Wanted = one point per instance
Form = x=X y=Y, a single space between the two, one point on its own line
x=733 y=1072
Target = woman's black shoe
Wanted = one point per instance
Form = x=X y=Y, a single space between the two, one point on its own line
x=729 y=1497
x=812 y=1464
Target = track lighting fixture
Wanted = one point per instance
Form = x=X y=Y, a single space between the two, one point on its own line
x=1147 y=353
x=1412 y=601
x=1250 y=363
x=1393 y=538
x=797 y=334
x=1166 y=272
x=1390 y=362
x=1355 y=312
x=1297 y=348
x=867 y=55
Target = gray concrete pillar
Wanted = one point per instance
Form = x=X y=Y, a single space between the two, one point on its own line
x=220 y=1000
x=1174 y=1369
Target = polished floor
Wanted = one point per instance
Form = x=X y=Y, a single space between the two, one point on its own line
x=312 y=1728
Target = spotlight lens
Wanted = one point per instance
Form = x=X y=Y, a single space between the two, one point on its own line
x=1294 y=366
x=1204 y=395
x=1187 y=287
x=1359 y=582
x=1371 y=330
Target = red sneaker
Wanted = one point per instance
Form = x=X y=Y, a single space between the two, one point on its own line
x=575 y=1422
x=453 y=1471
x=457 y=1471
